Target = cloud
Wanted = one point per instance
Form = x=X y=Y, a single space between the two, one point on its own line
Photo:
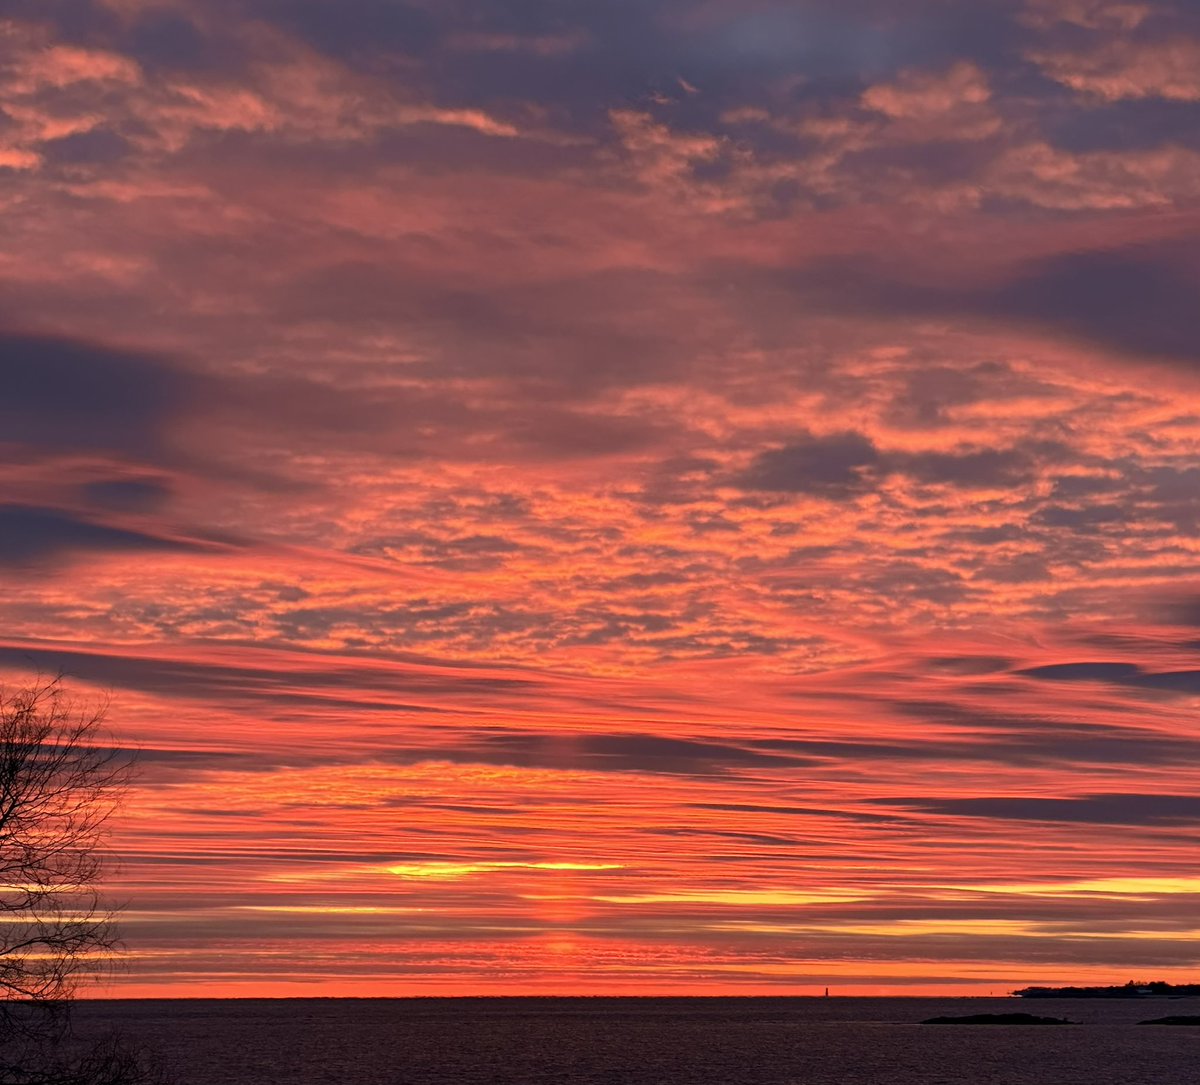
x=981 y=468
x=1127 y=126
x=96 y=147
x=63 y=393
x=1083 y=519
x=968 y=664
x=836 y=466
x=1183 y=611
x=1115 y=15
x=1100 y=809
x=620 y=752
x=1123 y=68
x=31 y=534
x=1134 y=301
x=164 y=40
x=842 y=465
x=798 y=811
x=69 y=395
x=1139 y=300
x=1028 y=738
x=362 y=27
x=939 y=108
x=126 y=494
x=319 y=682
x=1118 y=674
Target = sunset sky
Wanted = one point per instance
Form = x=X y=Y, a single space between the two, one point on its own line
x=627 y=496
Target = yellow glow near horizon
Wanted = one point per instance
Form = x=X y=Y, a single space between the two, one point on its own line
x=901 y=928
x=739 y=897
x=463 y=870
x=1124 y=887
x=319 y=909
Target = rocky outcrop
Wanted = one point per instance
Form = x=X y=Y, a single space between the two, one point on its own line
x=997 y=1019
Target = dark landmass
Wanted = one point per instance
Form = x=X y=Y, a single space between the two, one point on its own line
x=1172 y=1021
x=997 y=1019
x=1157 y=989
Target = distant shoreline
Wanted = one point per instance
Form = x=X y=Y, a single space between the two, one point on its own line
x=1158 y=989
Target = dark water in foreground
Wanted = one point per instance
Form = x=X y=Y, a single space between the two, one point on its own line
x=652 y=1041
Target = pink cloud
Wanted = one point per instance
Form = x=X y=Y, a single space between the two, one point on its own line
x=1123 y=69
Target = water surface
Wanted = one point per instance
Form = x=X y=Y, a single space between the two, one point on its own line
x=652 y=1041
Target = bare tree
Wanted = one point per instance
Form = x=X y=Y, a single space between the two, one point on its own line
x=60 y=780
x=58 y=784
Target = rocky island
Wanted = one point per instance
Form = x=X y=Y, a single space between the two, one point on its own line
x=996 y=1019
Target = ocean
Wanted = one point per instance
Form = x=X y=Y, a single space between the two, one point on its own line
x=650 y=1041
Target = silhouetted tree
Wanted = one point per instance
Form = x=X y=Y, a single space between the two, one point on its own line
x=59 y=782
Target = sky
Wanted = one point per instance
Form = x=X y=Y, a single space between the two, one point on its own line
x=653 y=496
